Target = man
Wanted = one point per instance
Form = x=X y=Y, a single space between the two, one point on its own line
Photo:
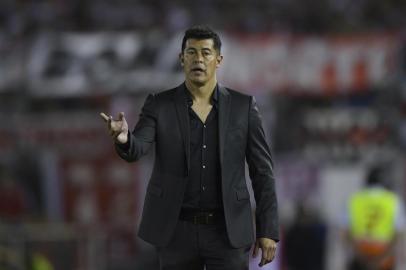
x=375 y=221
x=197 y=208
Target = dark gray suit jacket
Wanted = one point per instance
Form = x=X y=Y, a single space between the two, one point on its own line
x=164 y=120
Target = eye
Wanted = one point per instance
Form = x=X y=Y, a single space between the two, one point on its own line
x=206 y=53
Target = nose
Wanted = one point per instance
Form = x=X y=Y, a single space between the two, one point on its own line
x=198 y=58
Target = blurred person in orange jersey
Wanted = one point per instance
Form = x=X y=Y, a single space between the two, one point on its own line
x=375 y=223
x=197 y=210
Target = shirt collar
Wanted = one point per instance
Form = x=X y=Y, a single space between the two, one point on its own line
x=214 y=97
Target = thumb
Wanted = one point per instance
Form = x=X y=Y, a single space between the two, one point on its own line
x=121 y=116
x=256 y=248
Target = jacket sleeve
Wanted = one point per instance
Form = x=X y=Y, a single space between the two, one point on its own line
x=143 y=135
x=260 y=166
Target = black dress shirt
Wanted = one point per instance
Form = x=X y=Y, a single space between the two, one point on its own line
x=203 y=190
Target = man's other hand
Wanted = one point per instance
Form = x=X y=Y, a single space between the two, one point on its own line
x=118 y=129
x=268 y=247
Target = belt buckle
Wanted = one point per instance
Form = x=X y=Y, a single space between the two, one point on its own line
x=208 y=216
x=202 y=218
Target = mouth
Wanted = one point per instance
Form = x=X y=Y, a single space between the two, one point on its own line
x=198 y=70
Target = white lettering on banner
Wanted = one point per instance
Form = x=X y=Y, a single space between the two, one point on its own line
x=328 y=64
x=343 y=59
x=306 y=59
x=259 y=63
x=78 y=64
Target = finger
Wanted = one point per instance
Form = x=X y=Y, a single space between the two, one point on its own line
x=255 y=251
x=105 y=117
x=263 y=262
x=266 y=254
x=264 y=258
x=272 y=252
x=121 y=116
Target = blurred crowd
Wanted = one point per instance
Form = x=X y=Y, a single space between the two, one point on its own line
x=22 y=18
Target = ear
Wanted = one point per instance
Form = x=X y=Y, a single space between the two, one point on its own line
x=181 y=59
x=219 y=60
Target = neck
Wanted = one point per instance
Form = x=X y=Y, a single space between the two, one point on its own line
x=201 y=93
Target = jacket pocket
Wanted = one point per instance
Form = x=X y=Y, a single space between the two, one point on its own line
x=242 y=194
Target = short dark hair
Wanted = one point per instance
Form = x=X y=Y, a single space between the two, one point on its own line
x=375 y=177
x=202 y=32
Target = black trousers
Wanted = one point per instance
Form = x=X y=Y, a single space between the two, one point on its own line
x=195 y=246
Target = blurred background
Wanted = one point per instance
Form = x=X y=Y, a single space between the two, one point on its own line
x=329 y=77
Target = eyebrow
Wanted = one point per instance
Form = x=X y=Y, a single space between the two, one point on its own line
x=203 y=49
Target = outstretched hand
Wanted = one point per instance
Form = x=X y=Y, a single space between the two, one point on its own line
x=268 y=247
x=118 y=129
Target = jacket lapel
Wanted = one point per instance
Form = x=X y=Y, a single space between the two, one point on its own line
x=224 y=112
x=183 y=120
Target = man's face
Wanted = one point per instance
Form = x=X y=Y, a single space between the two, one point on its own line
x=200 y=61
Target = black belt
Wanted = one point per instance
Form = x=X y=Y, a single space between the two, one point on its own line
x=197 y=216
